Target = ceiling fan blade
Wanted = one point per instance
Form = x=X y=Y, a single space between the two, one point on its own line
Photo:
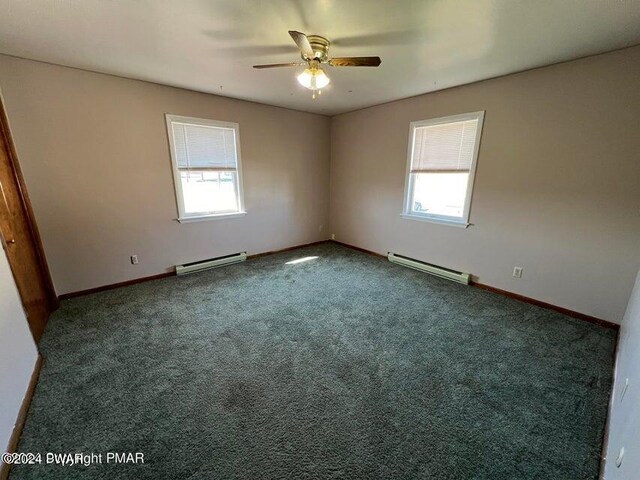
x=276 y=65
x=303 y=43
x=355 y=62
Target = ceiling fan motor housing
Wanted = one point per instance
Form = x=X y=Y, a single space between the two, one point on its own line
x=320 y=47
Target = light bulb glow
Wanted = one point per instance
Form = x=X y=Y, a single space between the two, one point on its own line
x=313 y=78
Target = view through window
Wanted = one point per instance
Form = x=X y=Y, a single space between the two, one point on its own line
x=442 y=160
x=206 y=167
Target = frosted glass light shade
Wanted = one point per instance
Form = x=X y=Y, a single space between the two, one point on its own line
x=313 y=79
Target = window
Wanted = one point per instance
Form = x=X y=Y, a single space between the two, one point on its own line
x=441 y=165
x=206 y=168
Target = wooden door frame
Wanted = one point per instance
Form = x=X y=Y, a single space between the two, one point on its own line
x=12 y=157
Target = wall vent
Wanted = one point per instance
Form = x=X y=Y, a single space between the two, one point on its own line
x=431 y=269
x=212 y=263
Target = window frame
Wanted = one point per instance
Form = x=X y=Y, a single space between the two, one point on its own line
x=407 y=211
x=184 y=217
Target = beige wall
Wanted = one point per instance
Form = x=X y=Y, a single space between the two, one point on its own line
x=557 y=188
x=624 y=415
x=18 y=353
x=95 y=156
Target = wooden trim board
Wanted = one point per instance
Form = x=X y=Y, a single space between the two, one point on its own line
x=548 y=306
x=111 y=286
x=5 y=131
x=264 y=254
x=516 y=296
x=126 y=283
x=22 y=417
x=363 y=250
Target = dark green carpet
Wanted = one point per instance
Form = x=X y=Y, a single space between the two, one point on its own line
x=346 y=366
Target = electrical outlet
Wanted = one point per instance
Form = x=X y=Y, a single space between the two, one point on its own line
x=624 y=389
x=320 y=227
x=134 y=259
x=333 y=236
x=517 y=272
x=620 y=457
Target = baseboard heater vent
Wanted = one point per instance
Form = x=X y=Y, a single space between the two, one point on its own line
x=212 y=263
x=431 y=269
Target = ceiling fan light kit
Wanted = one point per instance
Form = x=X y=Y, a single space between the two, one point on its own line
x=314 y=50
x=314 y=78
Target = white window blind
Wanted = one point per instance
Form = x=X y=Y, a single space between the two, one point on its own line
x=201 y=147
x=207 y=168
x=447 y=147
x=441 y=164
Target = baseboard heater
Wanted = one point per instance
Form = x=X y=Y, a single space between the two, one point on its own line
x=431 y=269
x=211 y=263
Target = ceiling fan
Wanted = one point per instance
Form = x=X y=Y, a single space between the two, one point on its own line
x=314 y=50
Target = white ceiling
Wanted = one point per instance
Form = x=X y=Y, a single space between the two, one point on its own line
x=211 y=45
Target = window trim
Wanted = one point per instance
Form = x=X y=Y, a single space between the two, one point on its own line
x=177 y=185
x=407 y=212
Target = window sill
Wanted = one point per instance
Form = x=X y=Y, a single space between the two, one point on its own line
x=218 y=216
x=441 y=221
